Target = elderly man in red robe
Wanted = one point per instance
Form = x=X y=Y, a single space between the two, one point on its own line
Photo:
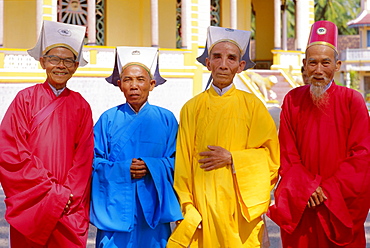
x=46 y=149
x=323 y=197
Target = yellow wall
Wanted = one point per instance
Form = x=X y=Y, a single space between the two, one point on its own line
x=225 y=14
x=264 y=29
x=244 y=15
x=167 y=23
x=363 y=36
x=128 y=23
x=244 y=11
x=20 y=23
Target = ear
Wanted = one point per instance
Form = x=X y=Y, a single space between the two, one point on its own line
x=241 y=66
x=119 y=83
x=152 y=84
x=76 y=66
x=304 y=61
x=337 y=65
x=42 y=62
x=208 y=64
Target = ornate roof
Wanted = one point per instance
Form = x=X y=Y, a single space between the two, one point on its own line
x=362 y=20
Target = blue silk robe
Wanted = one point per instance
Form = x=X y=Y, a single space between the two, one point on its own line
x=134 y=212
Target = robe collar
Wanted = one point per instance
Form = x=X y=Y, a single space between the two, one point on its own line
x=329 y=85
x=139 y=109
x=55 y=91
x=219 y=91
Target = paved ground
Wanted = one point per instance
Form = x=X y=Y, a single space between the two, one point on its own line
x=274 y=232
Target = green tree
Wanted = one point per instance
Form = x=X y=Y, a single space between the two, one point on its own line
x=339 y=12
x=354 y=79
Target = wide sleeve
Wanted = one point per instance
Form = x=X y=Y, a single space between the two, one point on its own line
x=30 y=189
x=290 y=196
x=256 y=166
x=79 y=176
x=350 y=185
x=156 y=194
x=183 y=183
x=111 y=191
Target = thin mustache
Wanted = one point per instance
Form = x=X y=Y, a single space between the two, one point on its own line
x=312 y=77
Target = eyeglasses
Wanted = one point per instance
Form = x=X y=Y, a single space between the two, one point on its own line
x=55 y=60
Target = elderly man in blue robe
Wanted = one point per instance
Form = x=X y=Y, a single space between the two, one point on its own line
x=133 y=201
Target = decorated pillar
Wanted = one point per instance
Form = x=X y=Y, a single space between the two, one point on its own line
x=91 y=22
x=45 y=10
x=284 y=27
x=304 y=20
x=277 y=24
x=233 y=14
x=154 y=19
x=184 y=24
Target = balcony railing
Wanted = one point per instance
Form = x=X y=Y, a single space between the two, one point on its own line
x=362 y=54
x=16 y=65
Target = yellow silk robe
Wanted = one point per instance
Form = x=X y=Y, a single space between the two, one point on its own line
x=228 y=201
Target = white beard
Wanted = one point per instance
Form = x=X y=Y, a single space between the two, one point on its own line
x=318 y=93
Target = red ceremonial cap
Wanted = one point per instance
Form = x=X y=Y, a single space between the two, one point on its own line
x=323 y=33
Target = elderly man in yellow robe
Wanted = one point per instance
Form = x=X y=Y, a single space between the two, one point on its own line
x=227 y=154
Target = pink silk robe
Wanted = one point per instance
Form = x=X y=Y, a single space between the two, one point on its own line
x=42 y=165
x=328 y=148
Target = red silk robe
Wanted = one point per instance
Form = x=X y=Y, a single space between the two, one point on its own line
x=328 y=148
x=42 y=163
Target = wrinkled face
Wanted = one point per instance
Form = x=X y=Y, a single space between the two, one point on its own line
x=224 y=62
x=59 y=74
x=136 y=84
x=320 y=65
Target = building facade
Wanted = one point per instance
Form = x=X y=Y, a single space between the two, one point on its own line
x=358 y=60
x=177 y=28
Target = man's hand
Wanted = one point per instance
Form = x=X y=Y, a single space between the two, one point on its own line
x=216 y=157
x=138 y=168
x=68 y=205
x=316 y=198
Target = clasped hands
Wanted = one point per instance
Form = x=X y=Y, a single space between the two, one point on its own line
x=138 y=168
x=215 y=158
x=317 y=198
x=68 y=205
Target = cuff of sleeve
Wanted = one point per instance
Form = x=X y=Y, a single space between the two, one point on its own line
x=184 y=232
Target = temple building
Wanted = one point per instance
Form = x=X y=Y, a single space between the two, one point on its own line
x=177 y=28
x=357 y=60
